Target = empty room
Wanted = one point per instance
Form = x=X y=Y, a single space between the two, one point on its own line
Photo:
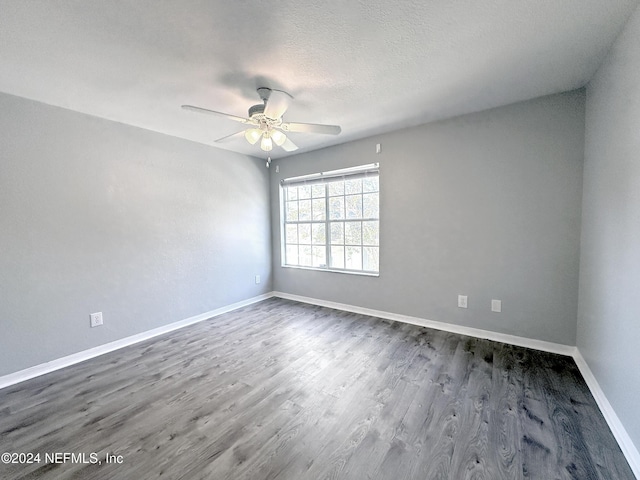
x=310 y=240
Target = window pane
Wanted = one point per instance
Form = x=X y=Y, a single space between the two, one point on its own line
x=318 y=234
x=319 y=257
x=352 y=233
x=336 y=188
x=292 y=233
x=292 y=211
x=353 y=259
x=291 y=256
x=353 y=186
x=337 y=232
x=370 y=184
x=304 y=233
x=318 y=190
x=370 y=259
x=319 y=209
x=336 y=208
x=337 y=257
x=304 y=191
x=292 y=193
x=305 y=256
x=354 y=206
x=370 y=233
x=370 y=205
x=304 y=210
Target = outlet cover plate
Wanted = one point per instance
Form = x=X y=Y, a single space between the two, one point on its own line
x=462 y=301
x=496 y=306
x=96 y=319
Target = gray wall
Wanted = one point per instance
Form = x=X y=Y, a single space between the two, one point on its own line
x=486 y=205
x=609 y=307
x=99 y=216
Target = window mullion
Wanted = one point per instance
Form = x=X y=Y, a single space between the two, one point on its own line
x=327 y=231
x=344 y=228
x=361 y=233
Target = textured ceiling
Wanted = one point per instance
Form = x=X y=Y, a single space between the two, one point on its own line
x=369 y=66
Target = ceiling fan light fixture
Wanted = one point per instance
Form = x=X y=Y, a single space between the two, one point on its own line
x=265 y=122
x=252 y=135
x=266 y=144
x=278 y=137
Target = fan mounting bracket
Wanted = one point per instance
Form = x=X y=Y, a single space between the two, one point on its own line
x=264 y=93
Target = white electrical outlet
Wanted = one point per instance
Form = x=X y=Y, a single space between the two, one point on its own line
x=496 y=305
x=257 y=279
x=462 y=301
x=378 y=148
x=96 y=319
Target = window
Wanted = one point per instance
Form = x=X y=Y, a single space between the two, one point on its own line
x=331 y=220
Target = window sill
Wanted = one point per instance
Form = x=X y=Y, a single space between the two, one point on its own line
x=348 y=272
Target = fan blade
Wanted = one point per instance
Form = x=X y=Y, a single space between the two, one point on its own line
x=289 y=146
x=277 y=104
x=311 y=128
x=191 y=108
x=231 y=137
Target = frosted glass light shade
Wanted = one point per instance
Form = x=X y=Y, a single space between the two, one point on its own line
x=278 y=137
x=252 y=135
x=266 y=144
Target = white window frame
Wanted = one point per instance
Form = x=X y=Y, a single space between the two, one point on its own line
x=325 y=179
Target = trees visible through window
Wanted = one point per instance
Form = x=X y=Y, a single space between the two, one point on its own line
x=331 y=221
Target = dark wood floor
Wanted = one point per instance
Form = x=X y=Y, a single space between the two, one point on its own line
x=292 y=391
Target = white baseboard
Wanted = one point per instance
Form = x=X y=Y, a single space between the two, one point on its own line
x=626 y=444
x=36 y=371
x=447 y=327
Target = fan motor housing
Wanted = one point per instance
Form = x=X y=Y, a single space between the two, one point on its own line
x=256 y=110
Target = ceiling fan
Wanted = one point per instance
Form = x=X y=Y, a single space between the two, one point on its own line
x=265 y=122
